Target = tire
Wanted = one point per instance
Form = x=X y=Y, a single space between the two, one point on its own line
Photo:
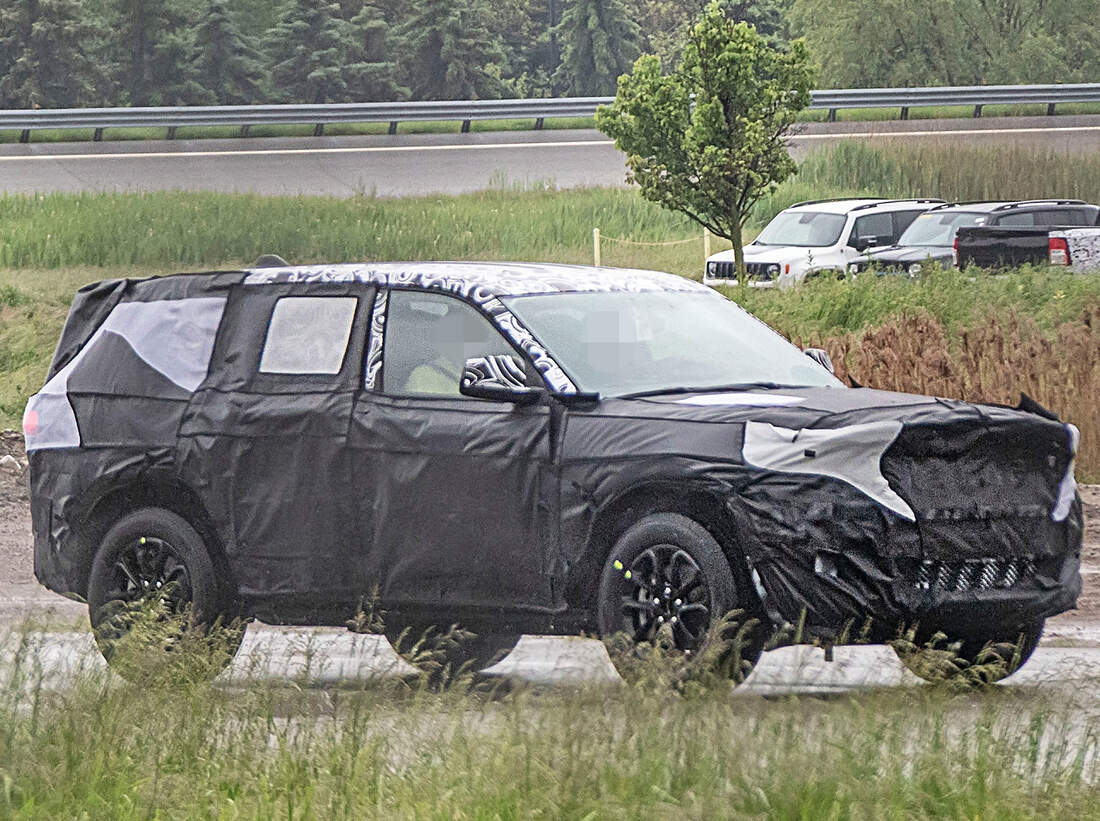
x=444 y=654
x=668 y=585
x=155 y=603
x=969 y=660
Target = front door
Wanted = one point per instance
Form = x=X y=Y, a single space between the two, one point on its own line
x=459 y=500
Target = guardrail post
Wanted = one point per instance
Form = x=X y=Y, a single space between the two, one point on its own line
x=465 y=126
x=832 y=116
x=978 y=110
x=393 y=127
x=25 y=135
x=905 y=112
x=97 y=135
x=1050 y=109
x=319 y=130
x=596 y=247
x=706 y=243
x=171 y=132
x=538 y=124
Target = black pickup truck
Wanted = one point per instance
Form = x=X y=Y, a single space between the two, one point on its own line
x=1023 y=235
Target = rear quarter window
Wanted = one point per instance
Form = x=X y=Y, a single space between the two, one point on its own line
x=308 y=335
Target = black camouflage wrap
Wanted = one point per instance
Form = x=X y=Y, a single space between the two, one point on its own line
x=315 y=491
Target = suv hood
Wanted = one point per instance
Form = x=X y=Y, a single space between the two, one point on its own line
x=1016 y=456
x=906 y=254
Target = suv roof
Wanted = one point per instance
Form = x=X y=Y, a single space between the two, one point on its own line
x=483 y=279
x=989 y=206
x=845 y=205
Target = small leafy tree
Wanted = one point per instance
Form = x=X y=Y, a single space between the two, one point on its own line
x=709 y=139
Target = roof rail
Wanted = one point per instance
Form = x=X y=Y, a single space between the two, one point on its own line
x=835 y=199
x=891 y=202
x=1022 y=203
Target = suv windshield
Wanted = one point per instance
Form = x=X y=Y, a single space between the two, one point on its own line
x=806 y=229
x=939 y=229
x=624 y=343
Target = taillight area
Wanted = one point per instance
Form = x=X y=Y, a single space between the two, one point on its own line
x=30 y=422
x=955 y=251
x=1058 y=249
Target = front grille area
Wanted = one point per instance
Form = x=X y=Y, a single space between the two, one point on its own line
x=728 y=270
x=974 y=574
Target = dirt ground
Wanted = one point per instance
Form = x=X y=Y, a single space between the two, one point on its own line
x=17 y=572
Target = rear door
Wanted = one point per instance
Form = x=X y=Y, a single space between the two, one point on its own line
x=459 y=496
x=266 y=437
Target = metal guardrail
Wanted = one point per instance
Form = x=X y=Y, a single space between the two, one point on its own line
x=465 y=111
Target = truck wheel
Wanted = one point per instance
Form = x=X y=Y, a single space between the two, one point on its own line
x=970 y=660
x=154 y=601
x=667 y=583
x=446 y=653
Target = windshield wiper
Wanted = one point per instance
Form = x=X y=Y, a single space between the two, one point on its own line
x=740 y=386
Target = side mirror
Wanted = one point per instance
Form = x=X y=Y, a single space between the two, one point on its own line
x=821 y=358
x=499 y=378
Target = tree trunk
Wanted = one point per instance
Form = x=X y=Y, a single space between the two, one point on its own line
x=738 y=247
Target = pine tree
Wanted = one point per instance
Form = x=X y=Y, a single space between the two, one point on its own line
x=372 y=74
x=307 y=51
x=155 y=51
x=453 y=52
x=227 y=64
x=43 y=58
x=599 y=41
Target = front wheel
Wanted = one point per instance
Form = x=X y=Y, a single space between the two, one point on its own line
x=668 y=586
x=154 y=601
x=971 y=659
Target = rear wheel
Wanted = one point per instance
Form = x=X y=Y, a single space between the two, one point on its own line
x=665 y=590
x=971 y=659
x=155 y=603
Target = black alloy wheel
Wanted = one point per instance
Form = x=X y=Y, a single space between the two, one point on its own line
x=664 y=585
x=667 y=583
x=152 y=593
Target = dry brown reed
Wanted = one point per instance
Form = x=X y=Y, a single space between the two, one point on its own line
x=993 y=361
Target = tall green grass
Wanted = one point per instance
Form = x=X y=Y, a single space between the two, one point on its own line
x=945 y=170
x=384 y=748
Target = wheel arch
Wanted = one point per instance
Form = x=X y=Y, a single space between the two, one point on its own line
x=702 y=505
x=161 y=488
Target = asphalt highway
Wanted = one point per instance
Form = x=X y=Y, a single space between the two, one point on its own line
x=444 y=163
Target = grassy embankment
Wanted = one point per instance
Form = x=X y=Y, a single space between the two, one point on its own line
x=352 y=129
x=973 y=335
x=386 y=748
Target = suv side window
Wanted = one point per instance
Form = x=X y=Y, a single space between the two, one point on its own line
x=872 y=225
x=428 y=339
x=308 y=335
x=1020 y=218
x=902 y=220
x=1060 y=216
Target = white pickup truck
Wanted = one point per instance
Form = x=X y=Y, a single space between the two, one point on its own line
x=1077 y=248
